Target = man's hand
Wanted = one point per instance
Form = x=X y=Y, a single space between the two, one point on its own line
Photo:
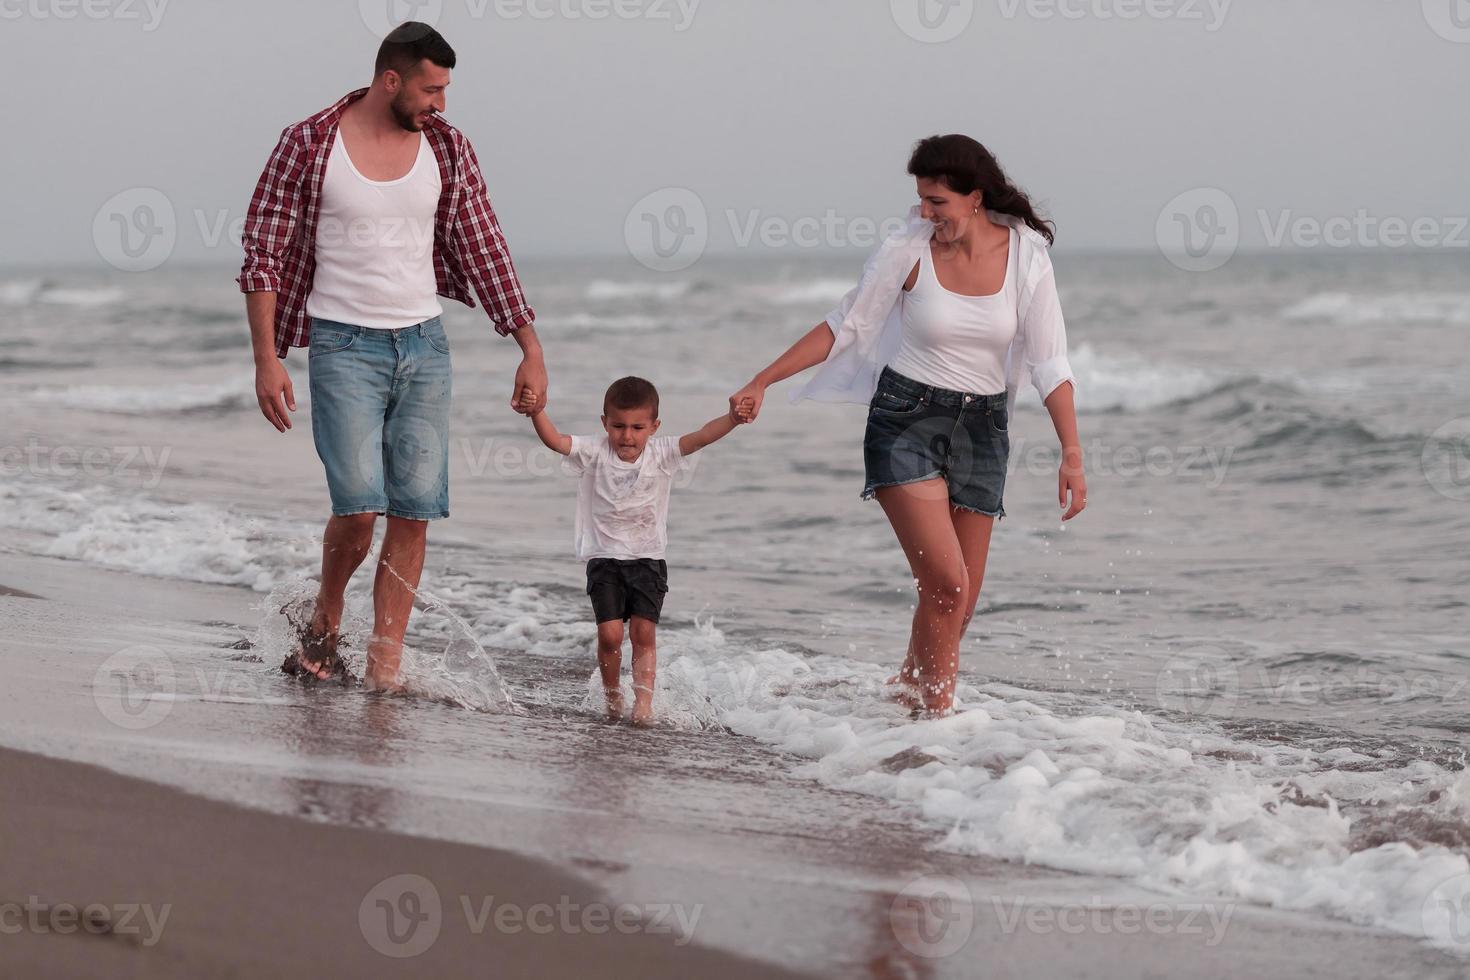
x=529 y=394
x=274 y=394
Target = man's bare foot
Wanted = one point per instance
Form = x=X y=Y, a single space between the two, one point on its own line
x=316 y=649
x=614 y=704
x=384 y=658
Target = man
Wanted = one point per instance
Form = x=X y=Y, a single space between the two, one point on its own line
x=365 y=214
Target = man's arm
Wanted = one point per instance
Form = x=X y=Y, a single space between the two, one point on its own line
x=550 y=437
x=487 y=263
x=713 y=431
x=269 y=225
x=273 y=391
x=530 y=381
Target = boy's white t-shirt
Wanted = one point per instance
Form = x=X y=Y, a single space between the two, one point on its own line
x=623 y=508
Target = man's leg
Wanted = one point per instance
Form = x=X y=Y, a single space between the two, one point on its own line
x=397 y=582
x=345 y=544
x=416 y=479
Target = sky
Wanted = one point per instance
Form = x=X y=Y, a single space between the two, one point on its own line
x=779 y=119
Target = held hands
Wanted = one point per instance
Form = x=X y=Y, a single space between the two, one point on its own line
x=745 y=404
x=528 y=403
x=528 y=396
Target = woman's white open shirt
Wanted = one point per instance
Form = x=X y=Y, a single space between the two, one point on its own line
x=867 y=325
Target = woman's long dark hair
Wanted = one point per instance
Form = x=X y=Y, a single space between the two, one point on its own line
x=965 y=167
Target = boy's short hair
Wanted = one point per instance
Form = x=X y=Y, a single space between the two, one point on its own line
x=626 y=394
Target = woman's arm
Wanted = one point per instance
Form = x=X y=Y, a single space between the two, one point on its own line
x=1051 y=373
x=809 y=350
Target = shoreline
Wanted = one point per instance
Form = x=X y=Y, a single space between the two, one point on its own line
x=266 y=821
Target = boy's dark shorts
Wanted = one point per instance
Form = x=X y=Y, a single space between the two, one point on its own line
x=623 y=588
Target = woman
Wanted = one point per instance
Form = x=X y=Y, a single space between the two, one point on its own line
x=952 y=316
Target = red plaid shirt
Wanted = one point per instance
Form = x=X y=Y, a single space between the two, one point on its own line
x=280 y=230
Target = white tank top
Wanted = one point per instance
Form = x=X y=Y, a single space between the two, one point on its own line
x=375 y=244
x=955 y=341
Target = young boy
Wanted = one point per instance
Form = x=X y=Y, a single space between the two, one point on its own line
x=622 y=514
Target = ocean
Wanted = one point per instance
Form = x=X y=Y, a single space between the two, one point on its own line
x=1240 y=674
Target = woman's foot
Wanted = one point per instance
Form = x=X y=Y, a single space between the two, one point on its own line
x=903 y=686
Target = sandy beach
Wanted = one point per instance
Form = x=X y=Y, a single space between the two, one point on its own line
x=282 y=868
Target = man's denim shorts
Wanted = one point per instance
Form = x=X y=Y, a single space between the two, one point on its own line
x=918 y=432
x=380 y=417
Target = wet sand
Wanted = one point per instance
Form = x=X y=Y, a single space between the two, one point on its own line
x=238 y=893
x=316 y=798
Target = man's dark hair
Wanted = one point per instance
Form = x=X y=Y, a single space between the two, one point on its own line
x=410 y=43
x=626 y=394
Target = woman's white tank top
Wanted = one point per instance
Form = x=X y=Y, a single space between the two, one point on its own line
x=955 y=341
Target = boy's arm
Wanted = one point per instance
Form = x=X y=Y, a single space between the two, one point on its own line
x=550 y=437
x=712 y=431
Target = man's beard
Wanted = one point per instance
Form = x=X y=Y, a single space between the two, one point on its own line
x=405 y=118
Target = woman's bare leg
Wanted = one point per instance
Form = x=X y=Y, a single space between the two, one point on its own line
x=973 y=531
x=920 y=516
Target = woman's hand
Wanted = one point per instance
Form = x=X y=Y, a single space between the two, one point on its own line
x=745 y=404
x=1070 y=480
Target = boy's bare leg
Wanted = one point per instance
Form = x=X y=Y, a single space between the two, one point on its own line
x=610 y=663
x=645 y=666
x=399 y=567
x=345 y=543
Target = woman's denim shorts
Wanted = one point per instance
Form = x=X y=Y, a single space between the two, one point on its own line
x=918 y=432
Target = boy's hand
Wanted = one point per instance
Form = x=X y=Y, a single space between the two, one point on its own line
x=745 y=404
x=527 y=402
